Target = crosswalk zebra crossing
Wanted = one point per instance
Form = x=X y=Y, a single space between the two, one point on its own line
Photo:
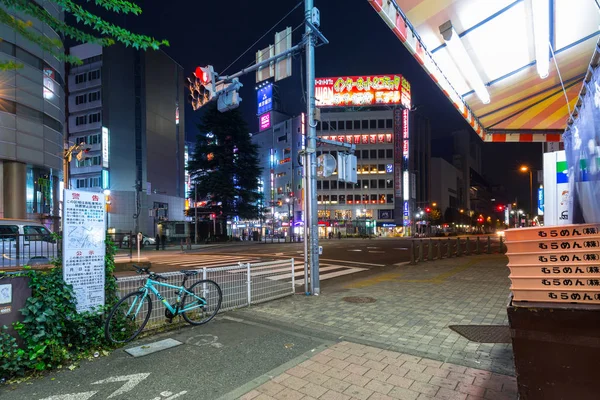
x=195 y=261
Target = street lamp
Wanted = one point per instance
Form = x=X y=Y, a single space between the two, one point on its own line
x=80 y=149
x=290 y=222
x=525 y=168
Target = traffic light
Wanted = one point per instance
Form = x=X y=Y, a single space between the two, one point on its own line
x=500 y=208
x=213 y=216
x=230 y=97
x=427 y=210
x=201 y=86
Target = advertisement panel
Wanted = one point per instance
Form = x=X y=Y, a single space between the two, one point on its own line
x=264 y=99
x=556 y=189
x=104 y=147
x=367 y=90
x=83 y=247
x=264 y=122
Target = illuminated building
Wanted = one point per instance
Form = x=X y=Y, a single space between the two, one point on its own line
x=128 y=107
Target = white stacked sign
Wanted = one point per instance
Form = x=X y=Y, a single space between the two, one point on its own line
x=84 y=233
x=555 y=264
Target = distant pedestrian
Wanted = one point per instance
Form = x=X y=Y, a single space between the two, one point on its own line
x=339 y=235
x=244 y=236
x=157 y=239
x=163 y=240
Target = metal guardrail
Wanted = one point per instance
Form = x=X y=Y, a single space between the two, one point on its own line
x=18 y=250
x=242 y=285
x=435 y=249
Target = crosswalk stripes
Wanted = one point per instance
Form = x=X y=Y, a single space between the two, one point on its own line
x=200 y=261
x=326 y=271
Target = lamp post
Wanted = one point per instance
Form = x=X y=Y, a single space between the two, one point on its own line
x=80 y=149
x=525 y=168
x=287 y=200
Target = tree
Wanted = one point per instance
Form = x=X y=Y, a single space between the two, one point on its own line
x=102 y=32
x=225 y=165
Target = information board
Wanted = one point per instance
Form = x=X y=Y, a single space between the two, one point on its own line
x=83 y=246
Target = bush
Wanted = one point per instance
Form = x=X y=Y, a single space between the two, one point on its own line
x=52 y=331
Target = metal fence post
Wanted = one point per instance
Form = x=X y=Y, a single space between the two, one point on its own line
x=477 y=249
x=439 y=249
x=430 y=251
x=204 y=278
x=412 y=252
x=448 y=253
x=293 y=277
x=489 y=245
x=249 y=282
x=458 y=251
x=420 y=250
x=468 y=247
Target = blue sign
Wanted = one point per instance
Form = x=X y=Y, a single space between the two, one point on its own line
x=541 y=201
x=389 y=168
x=264 y=98
x=105 y=179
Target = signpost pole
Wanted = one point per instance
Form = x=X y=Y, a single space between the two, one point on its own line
x=139 y=239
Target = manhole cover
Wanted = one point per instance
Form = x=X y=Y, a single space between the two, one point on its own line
x=484 y=333
x=357 y=299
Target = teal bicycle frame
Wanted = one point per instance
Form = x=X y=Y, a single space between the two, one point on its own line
x=149 y=287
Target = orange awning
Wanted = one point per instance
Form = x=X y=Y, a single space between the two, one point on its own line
x=498 y=36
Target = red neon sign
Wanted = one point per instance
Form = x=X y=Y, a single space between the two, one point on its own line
x=364 y=90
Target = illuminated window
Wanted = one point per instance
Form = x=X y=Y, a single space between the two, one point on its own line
x=342 y=199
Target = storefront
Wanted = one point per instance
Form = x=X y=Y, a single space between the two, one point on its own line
x=389 y=229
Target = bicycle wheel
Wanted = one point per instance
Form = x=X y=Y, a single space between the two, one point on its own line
x=207 y=299
x=128 y=318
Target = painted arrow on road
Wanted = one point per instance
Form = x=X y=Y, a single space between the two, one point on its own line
x=73 y=396
x=131 y=381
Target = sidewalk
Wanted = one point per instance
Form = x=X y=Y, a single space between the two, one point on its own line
x=410 y=310
x=353 y=371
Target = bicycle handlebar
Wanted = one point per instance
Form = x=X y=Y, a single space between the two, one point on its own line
x=146 y=270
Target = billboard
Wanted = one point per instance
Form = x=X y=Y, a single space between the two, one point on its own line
x=264 y=99
x=367 y=90
x=264 y=122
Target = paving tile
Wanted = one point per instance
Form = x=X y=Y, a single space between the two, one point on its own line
x=403 y=394
x=357 y=380
x=379 y=387
x=357 y=369
x=294 y=383
x=336 y=363
x=333 y=395
x=478 y=373
x=443 y=382
x=320 y=368
x=374 y=356
x=313 y=390
x=400 y=381
x=321 y=358
x=298 y=371
x=376 y=365
x=488 y=384
x=379 y=396
x=336 y=384
x=358 y=392
x=408 y=357
x=377 y=375
x=280 y=378
x=447 y=394
x=436 y=371
x=462 y=378
x=317 y=378
x=356 y=359
x=270 y=388
x=414 y=367
x=263 y=396
x=289 y=394
x=471 y=397
x=424 y=388
x=250 y=395
x=471 y=389
x=431 y=363
x=337 y=373
x=394 y=370
x=418 y=376
x=390 y=354
x=337 y=354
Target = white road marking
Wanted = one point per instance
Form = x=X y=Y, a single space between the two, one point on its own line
x=376 y=251
x=131 y=381
x=205 y=340
x=372 y=247
x=400 y=248
x=353 y=262
x=333 y=274
x=355 y=250
x=173 y=396
x=72 y=396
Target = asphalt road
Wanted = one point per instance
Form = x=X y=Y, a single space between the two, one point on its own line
x=212 y=361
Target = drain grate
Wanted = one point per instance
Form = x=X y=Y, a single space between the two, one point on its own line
x=357 y=299
x=484 y=333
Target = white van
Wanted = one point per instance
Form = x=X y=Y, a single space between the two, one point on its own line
x=24 y=242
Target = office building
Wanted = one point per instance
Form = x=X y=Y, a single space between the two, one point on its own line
x=31 y=125
x=128 y=107
x=281 y=179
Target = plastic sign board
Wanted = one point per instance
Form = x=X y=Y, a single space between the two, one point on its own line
x=264 y=99
x=84 y=233
x=367 y=90
x=264 y=122
x=104 y=147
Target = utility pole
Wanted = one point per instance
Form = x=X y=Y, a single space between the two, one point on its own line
x=195 y=213
x=312 y=217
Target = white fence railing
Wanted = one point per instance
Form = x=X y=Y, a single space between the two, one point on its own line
x=242 y=285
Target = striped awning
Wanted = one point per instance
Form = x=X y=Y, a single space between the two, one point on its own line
x=498 y=38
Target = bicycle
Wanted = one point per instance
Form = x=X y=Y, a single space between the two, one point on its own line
x=123 y=324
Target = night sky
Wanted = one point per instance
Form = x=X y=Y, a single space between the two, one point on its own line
x=216 y=33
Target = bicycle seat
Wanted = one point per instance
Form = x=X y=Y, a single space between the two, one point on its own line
x=189 y=273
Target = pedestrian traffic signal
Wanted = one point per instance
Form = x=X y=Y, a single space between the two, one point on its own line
x=201 y=86
x=427 y=209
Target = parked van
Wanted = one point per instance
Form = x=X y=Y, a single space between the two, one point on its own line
x=24 y=242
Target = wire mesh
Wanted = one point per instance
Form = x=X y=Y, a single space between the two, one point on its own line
x=267 y=281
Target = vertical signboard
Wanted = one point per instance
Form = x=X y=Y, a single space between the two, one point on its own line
x=104 y=147
x=556 y=189
x=264 y=99
x=405 y=166
x=264 y=122
x=83 y=247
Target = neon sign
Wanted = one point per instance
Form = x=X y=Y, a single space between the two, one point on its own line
x=362 y=91
x=264 y=122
